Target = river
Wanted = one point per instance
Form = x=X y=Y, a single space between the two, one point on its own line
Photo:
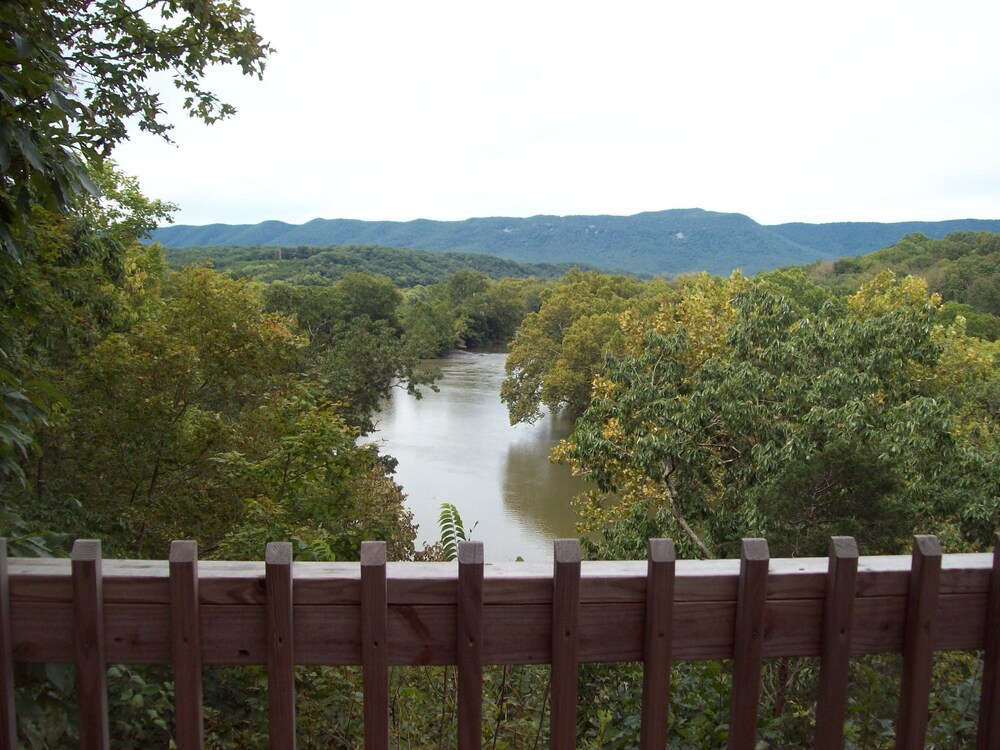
x=457 y=446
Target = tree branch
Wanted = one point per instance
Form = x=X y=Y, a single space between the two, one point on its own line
x=668 y=481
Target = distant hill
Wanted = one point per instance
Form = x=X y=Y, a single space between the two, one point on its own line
x=963 y=267
x=325 y=265
x=851 y=238
x=660 y=243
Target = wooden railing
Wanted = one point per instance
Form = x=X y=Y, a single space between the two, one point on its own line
x=188 y=613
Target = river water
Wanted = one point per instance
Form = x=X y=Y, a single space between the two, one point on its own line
x=457 y=446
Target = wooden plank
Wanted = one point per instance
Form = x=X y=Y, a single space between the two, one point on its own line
x=469 y=646
x=657 y=643
x=280 y=645
x=515 y=634
x=225 y=582
x=185 y=643
x=235 y=633
x=748 y=642
x=8 y=717
x=918 y=644
x=91 y=665
x=565 y=642
x=989 y=706
x=374 y=646
x=831 y=703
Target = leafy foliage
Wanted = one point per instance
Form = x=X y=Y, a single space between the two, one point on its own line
x=194 y=423
x=87 y=277
x=356 y=346
x=326 y=265
x=743 y=418
x=76 y=72
x=558 y=349
x=963 y=267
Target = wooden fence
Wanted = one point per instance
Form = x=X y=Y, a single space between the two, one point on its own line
x=188 y=613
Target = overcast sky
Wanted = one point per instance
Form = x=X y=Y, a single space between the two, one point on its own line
x=784 y=111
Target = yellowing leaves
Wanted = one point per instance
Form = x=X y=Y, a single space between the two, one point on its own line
x=702 y=314
x=736 y=411
x=885 y=293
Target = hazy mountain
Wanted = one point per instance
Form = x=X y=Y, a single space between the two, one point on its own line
x=859 y=237
x=661 y=242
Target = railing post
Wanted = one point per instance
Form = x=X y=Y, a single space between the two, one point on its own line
x=91 y=663
x=8 y=718
x=470 y=645
x=835 y=649
x=185 y=645
x=280 y=645
x=748 y=644
x=565 y=642
x=374 y=646
x=918 y=643
x=657 y=643
x=989 y=707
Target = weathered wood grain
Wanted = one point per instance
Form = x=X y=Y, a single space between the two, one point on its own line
x=657 y=644
x=280 y=645
x=330 y=584
x=918 y=644
x=469 y=645
x=748 y=644
x=379 y=613
x=8 y=717
x=988 y=736
x=375 y=645
x=89 y=649
x=185 y=645
x=835 y=648
x=565 y=656
x=236 y=635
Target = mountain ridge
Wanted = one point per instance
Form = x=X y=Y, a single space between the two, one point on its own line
x=666 y=243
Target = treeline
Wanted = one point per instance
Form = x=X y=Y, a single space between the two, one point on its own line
x=325 y=265
x=964 y=268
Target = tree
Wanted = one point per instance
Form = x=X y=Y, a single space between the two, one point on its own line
x=739 y=416
x=89 y=277
x=195 y=422
x=76 y=72
x=558 y=349
x=73 y=74
x=355 y=345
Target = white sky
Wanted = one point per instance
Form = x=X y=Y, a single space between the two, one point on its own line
x=785 y=111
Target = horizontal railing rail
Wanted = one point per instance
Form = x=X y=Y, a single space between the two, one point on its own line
x=189 y=613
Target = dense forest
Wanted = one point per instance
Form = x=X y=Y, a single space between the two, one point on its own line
x=324 y=265
x=964 y=268
x=141 y=403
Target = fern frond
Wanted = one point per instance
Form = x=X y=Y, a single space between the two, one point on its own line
x=452 y=530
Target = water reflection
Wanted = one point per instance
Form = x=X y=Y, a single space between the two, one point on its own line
x=457 y=446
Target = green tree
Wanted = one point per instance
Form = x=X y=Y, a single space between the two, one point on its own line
x=73 y=74
x=89 y=277
x=739 y=417
x=558 y=349
x=195 y=423
x=76 y=72
x=356 y=345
